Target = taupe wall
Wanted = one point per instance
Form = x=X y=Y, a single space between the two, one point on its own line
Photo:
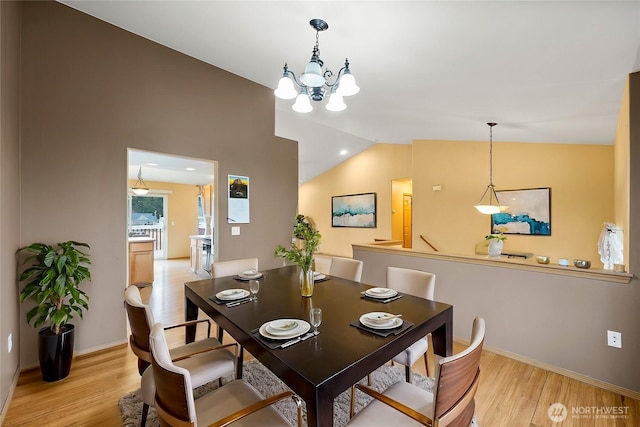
x=558 y=320
x=9 y=191
x=89 y=91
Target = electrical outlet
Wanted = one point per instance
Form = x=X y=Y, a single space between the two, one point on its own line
x=235 y=231
x=614 y=339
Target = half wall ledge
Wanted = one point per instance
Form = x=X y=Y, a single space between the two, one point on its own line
x=502 y=262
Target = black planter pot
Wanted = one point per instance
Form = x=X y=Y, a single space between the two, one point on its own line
x=56 y=352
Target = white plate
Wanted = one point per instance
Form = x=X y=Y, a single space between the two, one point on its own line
x=303 y=328
x=286 y=327
x=250 y=274
x=393 y=323
x=380 y=293
x=380 y=318
x=319 y=276
x=232 y=294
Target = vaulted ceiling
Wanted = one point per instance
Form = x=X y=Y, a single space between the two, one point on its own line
x=546 y=71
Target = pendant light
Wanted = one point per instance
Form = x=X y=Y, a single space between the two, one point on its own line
x=140 y=187
x=314 y=83
x=482 y=206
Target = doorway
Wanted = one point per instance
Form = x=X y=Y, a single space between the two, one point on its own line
x=401 y=211
x=180 y=202
x=407 y=202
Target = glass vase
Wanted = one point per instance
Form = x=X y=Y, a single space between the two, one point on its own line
x=306 y=283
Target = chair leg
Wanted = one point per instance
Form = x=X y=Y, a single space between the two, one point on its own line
x=145 y=411
x=352 y=405
x=426 y=364
x=407 y=373
x=369 y=380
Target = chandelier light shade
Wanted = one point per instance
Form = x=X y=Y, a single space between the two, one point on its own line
x=140 y=188
x=486 y=205
x=315 y=83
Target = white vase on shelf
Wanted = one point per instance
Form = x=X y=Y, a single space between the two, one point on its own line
x=495 y=247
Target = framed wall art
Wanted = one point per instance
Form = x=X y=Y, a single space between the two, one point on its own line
x=238 y=201
x=529 y=212
x=354 y=210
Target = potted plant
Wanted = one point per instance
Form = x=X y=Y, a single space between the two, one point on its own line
x=53 y=275
x=305 y=242
x=496 y=241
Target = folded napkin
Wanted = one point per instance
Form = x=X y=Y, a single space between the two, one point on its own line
x=382 y=332
x=383 y=301
x=246 y=279
x=224 y=302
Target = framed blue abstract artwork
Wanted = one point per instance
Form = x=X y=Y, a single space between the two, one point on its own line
x=354 y=210
x=529 y=212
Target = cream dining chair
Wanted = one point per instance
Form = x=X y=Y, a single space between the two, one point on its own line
x=346 y=268
x=420 y=284
x=233 y=267
x=236 y=400
x=206 y=359
x=451 y=403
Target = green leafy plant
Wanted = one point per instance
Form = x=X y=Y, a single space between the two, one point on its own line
x=307 y=241
x=497 y=234
x=52 y=277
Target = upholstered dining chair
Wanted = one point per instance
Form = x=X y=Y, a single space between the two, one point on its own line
x=420 y=284
x=176 y=405
x=346 y=268
x=207 y=359
x=233 y=267
x=452 y=402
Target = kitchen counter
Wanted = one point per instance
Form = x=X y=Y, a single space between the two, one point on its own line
x=141 y=261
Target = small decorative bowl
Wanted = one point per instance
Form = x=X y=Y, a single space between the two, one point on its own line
x=543 y=259
x=581 y=263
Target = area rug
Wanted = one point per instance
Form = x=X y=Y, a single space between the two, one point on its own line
x=268 y=384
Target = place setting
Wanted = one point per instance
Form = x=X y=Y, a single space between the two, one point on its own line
x=383 y=295
x=282 y=333
x=382 y=323
x=245 y=276
x=319 y=277
x=235 y=297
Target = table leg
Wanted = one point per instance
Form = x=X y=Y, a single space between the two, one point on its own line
x=443 y=336
x=190 y=313
x=320 y=414
x=239 y=364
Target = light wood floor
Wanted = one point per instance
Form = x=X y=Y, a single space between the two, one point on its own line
x=511 y=393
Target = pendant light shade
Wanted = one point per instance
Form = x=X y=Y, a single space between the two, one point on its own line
x=140 y=187
x=302 y=105
x=487 y=205
x=336 y=103
x=285 y=88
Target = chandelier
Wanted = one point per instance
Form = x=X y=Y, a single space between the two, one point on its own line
x=314 y=83
x=140 y=187
x=491 y=207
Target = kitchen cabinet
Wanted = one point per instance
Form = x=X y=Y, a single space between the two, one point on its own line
x=201 y=254
x=141 y=261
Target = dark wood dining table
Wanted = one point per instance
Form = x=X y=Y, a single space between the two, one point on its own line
x=320 y=368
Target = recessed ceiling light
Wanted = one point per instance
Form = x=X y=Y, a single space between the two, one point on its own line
x=152 y=164
x=343 y=152
x=191 y=169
